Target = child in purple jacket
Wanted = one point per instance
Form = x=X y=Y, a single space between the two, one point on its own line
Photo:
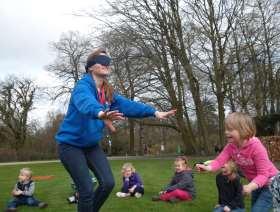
x=132 y=183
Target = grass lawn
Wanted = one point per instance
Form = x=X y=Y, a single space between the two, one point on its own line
x=155 y=174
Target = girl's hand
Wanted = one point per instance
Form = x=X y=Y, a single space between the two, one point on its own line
x=201 y=167
x=226 y=209
x=162 y=192
x=247 y=189
x=131 y=190
x=165 y=115
x=126 y=178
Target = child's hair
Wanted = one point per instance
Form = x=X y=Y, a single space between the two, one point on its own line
x=26 y=171
x=232 y=166
x=128 y=166
x=182 y=158
x=109 y=90
x=241 y=122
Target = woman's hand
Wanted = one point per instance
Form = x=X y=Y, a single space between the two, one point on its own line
x=165 y=115
x=110 y=126
x=111 y=115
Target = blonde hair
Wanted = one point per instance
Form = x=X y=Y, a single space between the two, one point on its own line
x=241 y=122
x=109 y=90
x=26 y=171
x=232 y=166
x=128 y=166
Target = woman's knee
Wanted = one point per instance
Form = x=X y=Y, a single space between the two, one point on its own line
x=86 y=194
x=108 y=184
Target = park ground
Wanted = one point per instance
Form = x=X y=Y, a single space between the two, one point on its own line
x=155 y=173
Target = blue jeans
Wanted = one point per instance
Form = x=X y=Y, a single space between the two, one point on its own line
x=221 y=209
x=77 y=161
x=261 y=200
x=23 y=200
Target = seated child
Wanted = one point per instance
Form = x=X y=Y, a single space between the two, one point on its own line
x=132 y=183
x=181 y=186
x=229 y=189
x=23 y=192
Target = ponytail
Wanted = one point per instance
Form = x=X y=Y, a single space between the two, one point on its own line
x=109 y=90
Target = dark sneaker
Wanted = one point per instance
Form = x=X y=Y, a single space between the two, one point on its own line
x=42 y=205
x=10 y=210
x=174 y=200
x=155 y=198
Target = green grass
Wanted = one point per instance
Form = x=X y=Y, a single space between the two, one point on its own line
x=155 y=174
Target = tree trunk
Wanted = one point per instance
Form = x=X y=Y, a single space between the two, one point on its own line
x=131 y=136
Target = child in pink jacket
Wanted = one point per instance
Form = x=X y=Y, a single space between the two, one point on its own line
x=250 y=155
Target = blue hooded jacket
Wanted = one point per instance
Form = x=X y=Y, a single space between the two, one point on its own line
x=81 y=126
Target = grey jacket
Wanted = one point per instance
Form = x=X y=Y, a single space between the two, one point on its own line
x=184 y=181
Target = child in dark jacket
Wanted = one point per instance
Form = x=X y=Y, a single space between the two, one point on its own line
x=181 y=187
x=23 y=192
x=132 y=183
x=229 y=189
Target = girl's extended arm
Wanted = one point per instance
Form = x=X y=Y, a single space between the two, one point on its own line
x=219 y=161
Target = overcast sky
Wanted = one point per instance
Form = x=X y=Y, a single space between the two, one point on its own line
x=27 y=27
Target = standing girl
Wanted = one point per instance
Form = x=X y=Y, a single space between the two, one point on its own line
x=251 y=156
x=94 y=104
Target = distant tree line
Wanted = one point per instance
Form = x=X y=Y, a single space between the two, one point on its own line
x=205 y=58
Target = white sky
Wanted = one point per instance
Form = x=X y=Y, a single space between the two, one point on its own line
x=27 y=28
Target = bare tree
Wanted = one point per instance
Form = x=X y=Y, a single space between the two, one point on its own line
x=256 y=50
x=159 y=28
x=71 y=51
x=131 y=72
x=214 y=23
x=16 y=101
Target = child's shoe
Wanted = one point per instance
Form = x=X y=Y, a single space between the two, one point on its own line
x=121 y=194
x=156 y=198
x=138 y=195
x=42 y=205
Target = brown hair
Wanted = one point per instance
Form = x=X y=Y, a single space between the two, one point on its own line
x=182 y=158
x=108 y=88
x=241 y=122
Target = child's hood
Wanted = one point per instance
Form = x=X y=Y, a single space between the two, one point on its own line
x=250 y=142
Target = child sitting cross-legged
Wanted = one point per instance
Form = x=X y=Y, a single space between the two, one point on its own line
x=181 y=187
x=132 y=183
